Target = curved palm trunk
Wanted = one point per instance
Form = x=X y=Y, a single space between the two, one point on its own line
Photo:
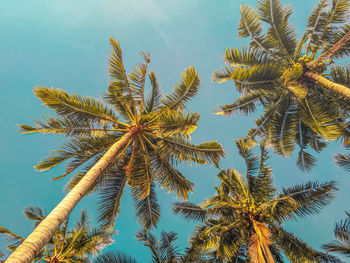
x=34 y=243
x=330 y=85
x=330 y=52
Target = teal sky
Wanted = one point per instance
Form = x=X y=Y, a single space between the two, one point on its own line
x=64 y=44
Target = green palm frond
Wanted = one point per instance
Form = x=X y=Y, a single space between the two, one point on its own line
x=252 y=161
x=245 y=57
x=75 y=106
x=147 y=209
x=245 y=104
x=315 y=24
x=110 y=197
x=280 y=33
x=66 y=126
x=180 y=149
x=117 y=70
x=177 y=122
x=257 y=76
x=223 y=74
x=153 y=100
x=190 y=211
x=170 y=178
x=120 y=100
x=183 y=91
x=282 y=129
x=311 y=197
x=79 y=150
x=138 y=79
x=341 y=74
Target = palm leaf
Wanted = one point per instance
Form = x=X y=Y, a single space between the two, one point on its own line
x=153 y=100
x=147 y=209
x=311 y=197
x=190 y=211
x=75 y=106
x=110 y=197
x=183 y=91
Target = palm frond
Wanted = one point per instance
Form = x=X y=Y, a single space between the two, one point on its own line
x=34 y=213
x=341 y=75
x=315 y=24
x=169 y=177
x=183 y=91
x=66 y=126
x=75 y=106
x=190 y=211
x=245 y=104
x=138 y=79
x=305 y=161
x=150 y=241
x=110 y=196
x=295 y=249
x=177 y=122
x=311 y=197
x=180 y=149
x=153 y=100
x=280 y=33
x=245 y=57
x=147 y=209
x=117 y=70
x=343 y=160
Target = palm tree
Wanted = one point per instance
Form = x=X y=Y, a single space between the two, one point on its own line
x=342 y=234
x=244 y=218
x=134 y=140
x=306 y=98
x=67 y=245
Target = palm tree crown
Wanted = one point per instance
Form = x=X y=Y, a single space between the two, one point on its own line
x=76 y=244
x=130 y=139
x=243 y=220
x=160 y=133
x=306 y=98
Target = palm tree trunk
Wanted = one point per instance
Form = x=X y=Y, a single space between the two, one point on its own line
x=330 y=85
x=34 y=243
x=330 y=52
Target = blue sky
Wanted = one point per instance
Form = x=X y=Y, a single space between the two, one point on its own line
x=64 y=44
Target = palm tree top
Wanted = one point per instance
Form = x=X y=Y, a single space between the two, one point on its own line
x=159 y=129
x=305 y=96
x=244 y=218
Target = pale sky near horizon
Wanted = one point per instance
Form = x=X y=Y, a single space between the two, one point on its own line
x=64 y=44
